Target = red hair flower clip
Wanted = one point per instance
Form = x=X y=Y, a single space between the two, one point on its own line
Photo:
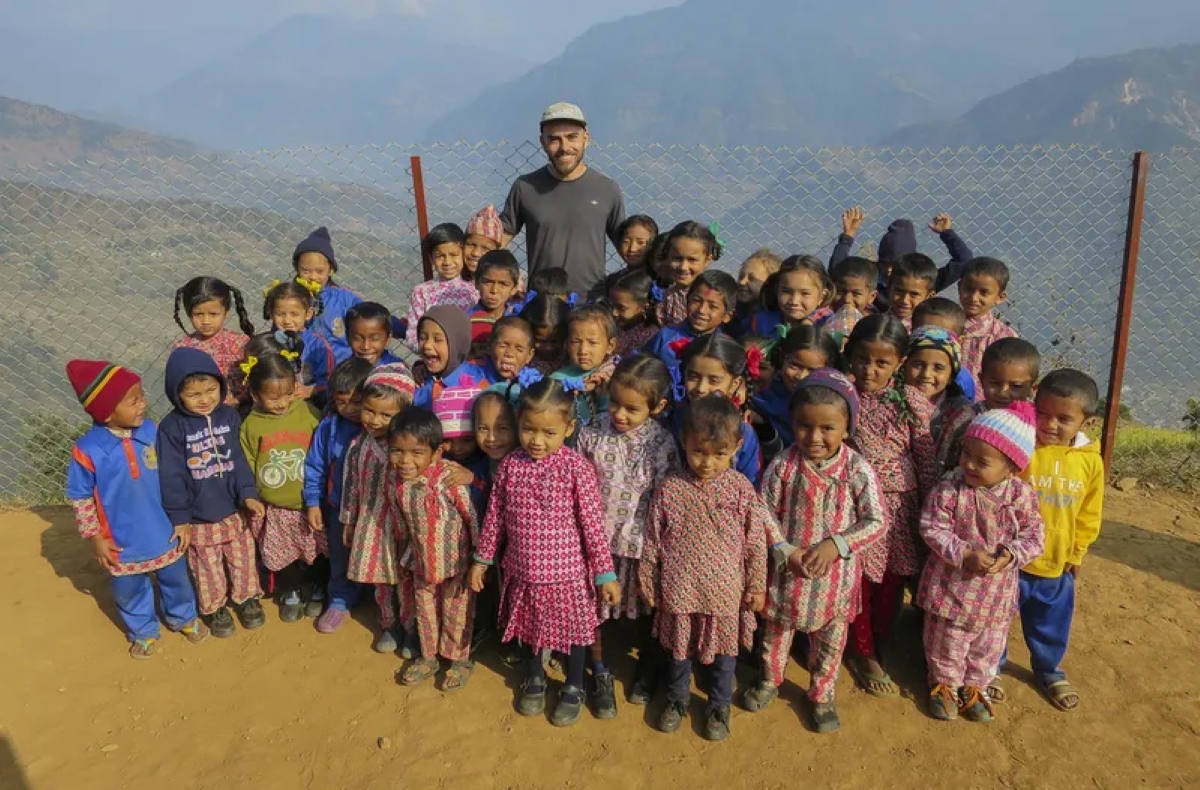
x=754 y=359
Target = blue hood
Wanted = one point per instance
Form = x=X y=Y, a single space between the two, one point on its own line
x=185 y=362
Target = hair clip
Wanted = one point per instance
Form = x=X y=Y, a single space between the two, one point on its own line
x=528 y=377
x=530 y=295
x=248 y=366
x=573 y=384
x=715 y=230
x=572 y=300
x=312 y=287
x=754 y=358
x=272 y=287
x=656 y=292
x=290 y=356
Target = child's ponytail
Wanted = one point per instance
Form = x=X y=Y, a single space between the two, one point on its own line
x=178 y=304
x=243 y=315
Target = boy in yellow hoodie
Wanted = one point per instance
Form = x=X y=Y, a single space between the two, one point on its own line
x=1067 y=473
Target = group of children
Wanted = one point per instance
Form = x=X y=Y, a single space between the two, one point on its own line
x=725 y=462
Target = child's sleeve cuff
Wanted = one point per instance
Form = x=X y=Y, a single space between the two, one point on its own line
x=482 y=561
x=843 y=547
x=780 y=553
x=605 y=578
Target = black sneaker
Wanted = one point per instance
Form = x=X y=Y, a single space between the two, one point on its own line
x=717 y=726
x=220 y=623
x=315 y=605
x=251 y=614
x=672 y=716
x=532 y=701
x=604 y=696
x=641 y=692
x=569 y=707
x=291 y=607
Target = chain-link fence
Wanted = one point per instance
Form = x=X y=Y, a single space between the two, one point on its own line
x=94 y=252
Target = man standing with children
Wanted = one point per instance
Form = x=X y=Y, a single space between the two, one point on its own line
x=565 y=208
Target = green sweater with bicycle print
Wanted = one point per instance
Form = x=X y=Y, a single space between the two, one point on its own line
x=276 y=446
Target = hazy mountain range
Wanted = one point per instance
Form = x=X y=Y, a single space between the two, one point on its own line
x=773 y=72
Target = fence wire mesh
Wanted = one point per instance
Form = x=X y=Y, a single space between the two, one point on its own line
x=96 y=251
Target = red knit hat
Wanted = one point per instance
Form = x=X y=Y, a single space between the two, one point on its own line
x=100 y=385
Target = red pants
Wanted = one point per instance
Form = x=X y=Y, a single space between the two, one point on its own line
x=445 y=613
x=880 y=603
x=397 y=603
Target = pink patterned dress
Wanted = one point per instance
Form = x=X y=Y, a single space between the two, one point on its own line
x=705 y=548
x=547 y=517
x=893 y=435
x=429 y=294
x=980 y=333
x=227 y=349
x=630 y=467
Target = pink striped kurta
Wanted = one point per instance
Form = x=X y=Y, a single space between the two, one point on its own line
x=980 y=333
x=814 y=502
x=893 y=435
x=368 y=516
x=547 y=516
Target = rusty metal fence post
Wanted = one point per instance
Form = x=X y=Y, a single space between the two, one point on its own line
x=1133 y=243
x=418 y=185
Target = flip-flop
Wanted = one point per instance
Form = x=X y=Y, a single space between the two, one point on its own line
x=996 y=692
x=419 y=671
x=195 y=631
x=459 y=674
x=1058 y=692
x=866 y=679
x=143 y=649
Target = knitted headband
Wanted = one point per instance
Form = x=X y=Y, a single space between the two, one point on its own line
x=100 y=385
x=839 y=383
x=1011 y=430
x=395 y=376
x=935 y=337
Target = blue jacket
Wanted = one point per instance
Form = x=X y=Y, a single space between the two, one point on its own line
x=483 y=372
x=317 y=362
x=204 y=475
x=748 y=460
x=966 y=383
x=948 y=275
x=660 y=346
x=323 y=464
x=773 y=403
x=331 y=323
x=121 y=477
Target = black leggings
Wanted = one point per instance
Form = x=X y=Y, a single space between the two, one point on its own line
x=535 y=673
x=294 y=576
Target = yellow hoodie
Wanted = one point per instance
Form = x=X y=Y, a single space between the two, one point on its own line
x=1069 y=482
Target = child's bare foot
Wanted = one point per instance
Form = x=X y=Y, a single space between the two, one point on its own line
x=872 y=677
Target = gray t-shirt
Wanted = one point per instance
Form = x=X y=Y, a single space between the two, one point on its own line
x=565 y=222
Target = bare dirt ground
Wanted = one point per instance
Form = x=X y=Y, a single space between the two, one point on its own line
x=285 y=707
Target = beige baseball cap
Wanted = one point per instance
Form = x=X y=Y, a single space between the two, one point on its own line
x=562 y=111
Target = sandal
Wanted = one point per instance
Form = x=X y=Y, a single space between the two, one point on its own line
x=996 y=693
x=419 y=671
x=943 y=703
x=975 y=705
x=1061 y=694
x=759 y=697
x=876 y=685
x=195 y=631
x=457 y=675
x=142 y=649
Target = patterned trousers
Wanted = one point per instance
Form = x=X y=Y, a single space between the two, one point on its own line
x=445 y=614
x=825 y=647
x=225 y=572
x=396 y=602
x=960 y=655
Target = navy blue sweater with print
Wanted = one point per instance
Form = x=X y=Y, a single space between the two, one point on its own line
x=204 y=474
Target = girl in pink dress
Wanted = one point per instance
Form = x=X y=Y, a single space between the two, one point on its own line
x=893 y=435
x=207 y=301
x=545 y=513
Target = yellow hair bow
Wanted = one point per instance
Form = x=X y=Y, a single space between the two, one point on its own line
x=272 y=287
x=290 y=356
x=314 y=288
x=248 y=366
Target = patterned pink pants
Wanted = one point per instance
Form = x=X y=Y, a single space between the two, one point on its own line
x=445 y=615
x=396 y=602
x=224 y=573
x=825 y=648
x=961 y=655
